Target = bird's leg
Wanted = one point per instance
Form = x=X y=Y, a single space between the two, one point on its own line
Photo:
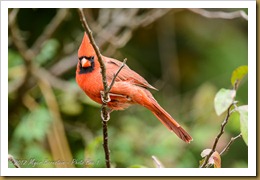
x=103 y=99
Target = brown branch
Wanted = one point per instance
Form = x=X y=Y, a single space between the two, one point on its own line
x=151 y=16
x=213 y=149
x=219 y=14
x=229 y=144
x=64 y=65
x=115 y=75
x=12 y=160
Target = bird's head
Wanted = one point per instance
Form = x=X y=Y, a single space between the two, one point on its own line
x=86 y=56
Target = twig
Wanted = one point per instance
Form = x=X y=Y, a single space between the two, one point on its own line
x=229 y=144
x=224 y=123
x=12 y=160
x=105 y=135
x=219 y=14
x=115 y=75
x=157 y=162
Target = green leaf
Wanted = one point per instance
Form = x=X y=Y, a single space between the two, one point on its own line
x=137 y=166
x=243 y=111
x=33 y=126
x=91 y=151
x=238 y=75
x=223 y=99
x=14 y=58
x=201 y=162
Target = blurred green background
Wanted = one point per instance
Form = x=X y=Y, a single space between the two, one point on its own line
x=188 y=57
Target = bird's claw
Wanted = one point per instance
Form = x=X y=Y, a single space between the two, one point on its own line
x=103 y=99
x=107 y=116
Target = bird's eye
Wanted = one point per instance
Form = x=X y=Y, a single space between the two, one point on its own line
x=90 y=58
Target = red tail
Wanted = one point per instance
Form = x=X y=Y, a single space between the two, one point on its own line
x=170 y=123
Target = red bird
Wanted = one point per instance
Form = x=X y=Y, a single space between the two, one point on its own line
x=129 y=87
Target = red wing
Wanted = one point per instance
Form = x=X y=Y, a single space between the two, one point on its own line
x=126 y=74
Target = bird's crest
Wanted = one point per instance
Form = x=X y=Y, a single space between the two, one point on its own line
x=86 y=48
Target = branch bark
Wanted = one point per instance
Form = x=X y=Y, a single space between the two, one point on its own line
x=104 y=111
x=213 y=149
x=229 y=144
x=12 y=160
x=219 y=14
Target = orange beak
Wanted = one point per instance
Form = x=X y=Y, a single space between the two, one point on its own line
x=85 y=63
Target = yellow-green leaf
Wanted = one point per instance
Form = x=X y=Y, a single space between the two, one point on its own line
x=243 y=111
x=238 y=75
x=223 y=99
x=137 y=166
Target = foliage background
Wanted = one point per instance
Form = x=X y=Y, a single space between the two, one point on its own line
x=186 y=56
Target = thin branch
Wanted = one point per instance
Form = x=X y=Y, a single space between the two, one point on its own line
x=224 y=123
x=151 y=16
x=115 y=75
x=105 y=135
x=229 y=144
x=64 y=65
x=12 y=160
x=157 y=162
x=219 y=14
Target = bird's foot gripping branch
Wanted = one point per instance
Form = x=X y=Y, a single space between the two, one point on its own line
x=103 y=97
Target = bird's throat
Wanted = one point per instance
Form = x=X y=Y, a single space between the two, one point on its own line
x=86 y=64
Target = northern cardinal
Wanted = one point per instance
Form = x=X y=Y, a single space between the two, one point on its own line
x=129 y=87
